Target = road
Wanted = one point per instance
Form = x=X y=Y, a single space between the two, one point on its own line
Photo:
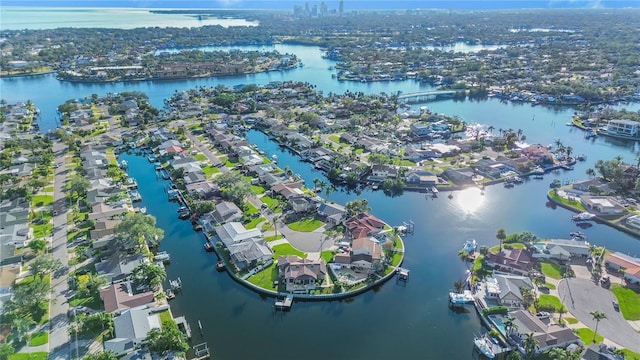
x=582 y=296
x=59 y=345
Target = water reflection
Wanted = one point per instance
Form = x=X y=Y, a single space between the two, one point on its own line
x=469 y=200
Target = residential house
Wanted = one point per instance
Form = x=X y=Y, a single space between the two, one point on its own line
x=538 y=154
x=629 y=266
x=226 y=211
x=622 y=127
x=595 y=183
x=334 y=214
x=103 y=211
x=381 y=172
x=547 y=336
x=116 y=267
x=366 y=254
x=121 y=296
x=507 y=289
x=604 y=205
x=131 y=329
x=21 y=170
x=518 y=261
x=561 y=249
x=459 y=176
x=420 y=178
x=234 y=232
x=247 y=254
x=18 y=235
x=364 y=225
x=288 y=190
x=103 y=228
x=301 y=275
x=300 y=204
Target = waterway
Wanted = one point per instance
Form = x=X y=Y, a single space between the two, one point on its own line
x=19 y=18
x=394 y=321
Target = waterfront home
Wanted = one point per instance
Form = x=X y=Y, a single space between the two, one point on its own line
x=249 y=253
x=202 y=190
x=547 y=336
x=561 y=249
x=517 y=261
x=104 y=227
x=600 y=352
x=103 y=211
x=121 y=296
x=538 y=154
x=272 y=179
x=234 y=232
x=131 y=329
x=365 y=255
x=506 y=289
x=382 y=172
x=116 y=267
x=333 y=214
x=622 y=128
x=459 y=177
x=363 y=225
x=605 y=205
x=420 y=178
x=598 y=185
x=301 y=275
x=629 y=266
x=262 y=169
x=226 y=211
x=288 y=190
x=100 y=195
x=300 y=204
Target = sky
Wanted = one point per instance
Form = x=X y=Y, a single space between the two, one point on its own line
x=348 y=4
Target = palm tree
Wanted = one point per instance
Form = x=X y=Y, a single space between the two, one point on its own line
x=458 y=286
x=561 y=310
x=500 y=235
x=569 y=150
x=509 y=324
x=463 y=255
x=590 y=172
x=597 y=316
x=530 y=345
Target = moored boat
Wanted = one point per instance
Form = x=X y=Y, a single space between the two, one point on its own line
x=485 y=346
x=162 y=256
x=583 y=216
x=220 y=266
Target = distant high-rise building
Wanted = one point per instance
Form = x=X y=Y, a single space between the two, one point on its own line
x=306 y=7
x=323 y=9
x=314 y=10
x=341 y=7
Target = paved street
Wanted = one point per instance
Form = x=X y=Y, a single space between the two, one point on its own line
x=59 y=335
x=582 y=296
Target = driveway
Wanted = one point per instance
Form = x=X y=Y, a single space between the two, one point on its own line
x=582 y=296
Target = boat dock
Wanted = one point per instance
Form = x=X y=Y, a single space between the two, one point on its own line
x=183 y=326
x=403 y=275
x=175 y=285
x=284 y=304
x=201 y=351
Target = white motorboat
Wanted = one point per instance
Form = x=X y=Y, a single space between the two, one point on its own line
x=583 y=216
x=485 y=346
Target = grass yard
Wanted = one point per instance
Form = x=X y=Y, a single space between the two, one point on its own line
x=550 y=286
x=200 y=157
x=305 y=225
x=628 y=354
x=327 y=256
x=629 y=301
x=38 y=355
x=230 y=163
x=272 y=203
x=549 y=300
x=165 y=318
x=570 y=320
x=250 y=209
x=551 y=269
x=42 y=230
x=257 y=189
x=39 y=338
x=272 y=238
x=396 y=258
x=254 y=222
x=586 y=335
x=287 y=249
x=210 y=170
x=266 y=277
x=93 y=302
x=571 y=203
x=41 y=200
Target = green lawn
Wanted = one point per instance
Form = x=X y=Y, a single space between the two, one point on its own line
x=49 y=189
x=628 y=354
x=571 y=203
x=272 y=203
x=272 y=238
x=91 y=302
x=327 y=256
x=395 y=259
x=39 y=355
x=230 y=163
x=335 y=139
x=250 y=209
x=200 y=157
x=266 y=277
x=39 y=338
x=586 y=335
x=254 y=222
x=42 y=230
x=305 y=225
x=210 y=170
x=257 y=189
x=166 y=319
x=629 y=301
x=287 y=249
x=570 y=320
x=550 y=286
x=549 y=300
x=551 y=270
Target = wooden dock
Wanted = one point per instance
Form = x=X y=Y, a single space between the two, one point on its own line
x=284 y=304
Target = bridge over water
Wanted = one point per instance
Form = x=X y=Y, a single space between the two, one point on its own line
x=424 y=96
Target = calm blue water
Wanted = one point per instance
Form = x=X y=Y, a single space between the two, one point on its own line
x=394 y=321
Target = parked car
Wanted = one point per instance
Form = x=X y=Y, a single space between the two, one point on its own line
x=543 y=315
x=616 y=307
x=543 y=288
